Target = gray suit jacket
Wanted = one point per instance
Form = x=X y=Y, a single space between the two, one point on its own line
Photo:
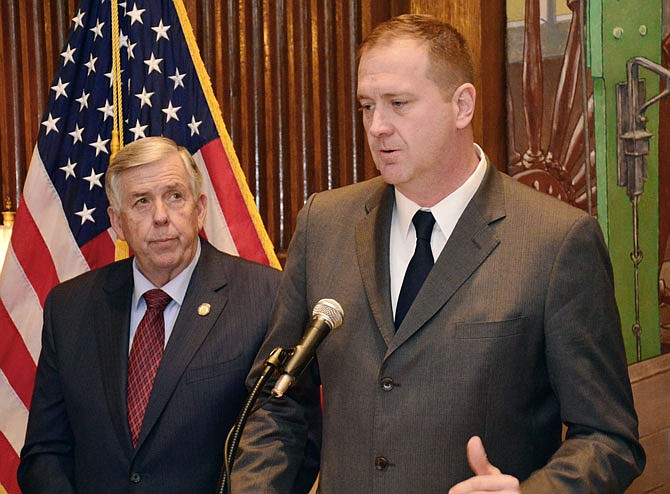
x=78 y=438
x=514 y=333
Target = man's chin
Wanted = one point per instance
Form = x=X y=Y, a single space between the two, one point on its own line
x=392 y=174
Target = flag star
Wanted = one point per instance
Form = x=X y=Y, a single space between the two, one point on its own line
x=50 y=123
x=138 y=130
x=153 y=64
x=76 y=134
x=171 y=112
x=83 y=100
x=123 y=40
x=110 y=75
x=68 y=55
x=60 y=88
x=177 y=78
x=69 y=169
x=91 y=63
x=145 y=97
x=161 y=31
x=86 y=214
x=97 y=30
x=135 y=15
x=100 y=146
x=108 y=110
x=78 y=20
x=131 y=47
x=194 y=126
x=94 y=179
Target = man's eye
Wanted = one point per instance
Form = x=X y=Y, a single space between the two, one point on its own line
x=141 y=200
x=398 y=103
x=366 y=108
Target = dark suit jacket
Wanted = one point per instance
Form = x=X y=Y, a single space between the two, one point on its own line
x=78 y=438
x=514 y=332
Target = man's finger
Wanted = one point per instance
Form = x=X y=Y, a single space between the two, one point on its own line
x=477 y=458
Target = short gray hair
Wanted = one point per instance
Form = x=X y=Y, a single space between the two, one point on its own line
x=143 y=152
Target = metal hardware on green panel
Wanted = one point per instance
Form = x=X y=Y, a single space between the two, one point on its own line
x=624 y=40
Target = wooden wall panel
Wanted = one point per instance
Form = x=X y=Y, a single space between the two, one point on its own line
x=283 y=71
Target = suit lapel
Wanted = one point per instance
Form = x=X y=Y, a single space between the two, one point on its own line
x=469 y=245
x=188 y=334
x=111 y=323
x=372 y=249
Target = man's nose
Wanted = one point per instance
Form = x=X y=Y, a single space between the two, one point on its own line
x=380 y=125
x=160 y=213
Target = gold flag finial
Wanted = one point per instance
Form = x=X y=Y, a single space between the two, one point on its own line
x=8 y=215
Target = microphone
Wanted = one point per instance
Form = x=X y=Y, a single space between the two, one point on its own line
x=326 y=316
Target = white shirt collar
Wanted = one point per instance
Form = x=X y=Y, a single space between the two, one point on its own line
x=175 y=288
x=448 y=211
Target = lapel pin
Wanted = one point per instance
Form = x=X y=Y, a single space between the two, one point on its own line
x=203 y=309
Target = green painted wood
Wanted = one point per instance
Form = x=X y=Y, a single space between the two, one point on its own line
x=619 y=30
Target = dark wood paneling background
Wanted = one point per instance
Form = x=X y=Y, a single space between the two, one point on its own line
x=283 y=72
x=32 y=35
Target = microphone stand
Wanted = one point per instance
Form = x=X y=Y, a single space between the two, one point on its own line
x=274 y=363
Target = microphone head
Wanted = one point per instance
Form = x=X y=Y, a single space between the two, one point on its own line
x=329 y=310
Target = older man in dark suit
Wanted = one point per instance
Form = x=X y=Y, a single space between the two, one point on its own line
x=130 y=397
x=475 y=310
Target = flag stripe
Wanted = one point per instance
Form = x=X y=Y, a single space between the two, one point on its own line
x=23 y=308
x=100 y=250
x=33 y=254
x=215 y=228
x=17 y=364
x=232 y=204
x=14 y=413
x=8 y=467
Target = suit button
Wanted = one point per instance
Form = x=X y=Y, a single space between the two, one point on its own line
x=387 y=384
x=135 y=478
x=381 y=463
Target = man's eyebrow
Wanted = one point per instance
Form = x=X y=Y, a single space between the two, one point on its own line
x=387 y=95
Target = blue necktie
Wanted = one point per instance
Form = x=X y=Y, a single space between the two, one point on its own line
x=419 y=266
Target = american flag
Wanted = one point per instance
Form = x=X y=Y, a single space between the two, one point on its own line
x=62 y=228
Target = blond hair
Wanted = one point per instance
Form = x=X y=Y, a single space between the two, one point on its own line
x=450 y=59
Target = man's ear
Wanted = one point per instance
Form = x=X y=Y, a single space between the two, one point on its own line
x=115 y=220
x=464 y=97
x=201 y=209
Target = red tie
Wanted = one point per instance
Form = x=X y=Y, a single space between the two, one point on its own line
x=145 y=355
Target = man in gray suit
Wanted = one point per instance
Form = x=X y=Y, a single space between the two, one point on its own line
x=514 y=332
x=91 y=432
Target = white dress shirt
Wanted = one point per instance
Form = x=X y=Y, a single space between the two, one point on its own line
x=175 y=288
x=447 y=212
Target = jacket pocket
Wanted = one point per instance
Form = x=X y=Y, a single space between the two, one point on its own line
x=491 y=329
x=214 y=370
